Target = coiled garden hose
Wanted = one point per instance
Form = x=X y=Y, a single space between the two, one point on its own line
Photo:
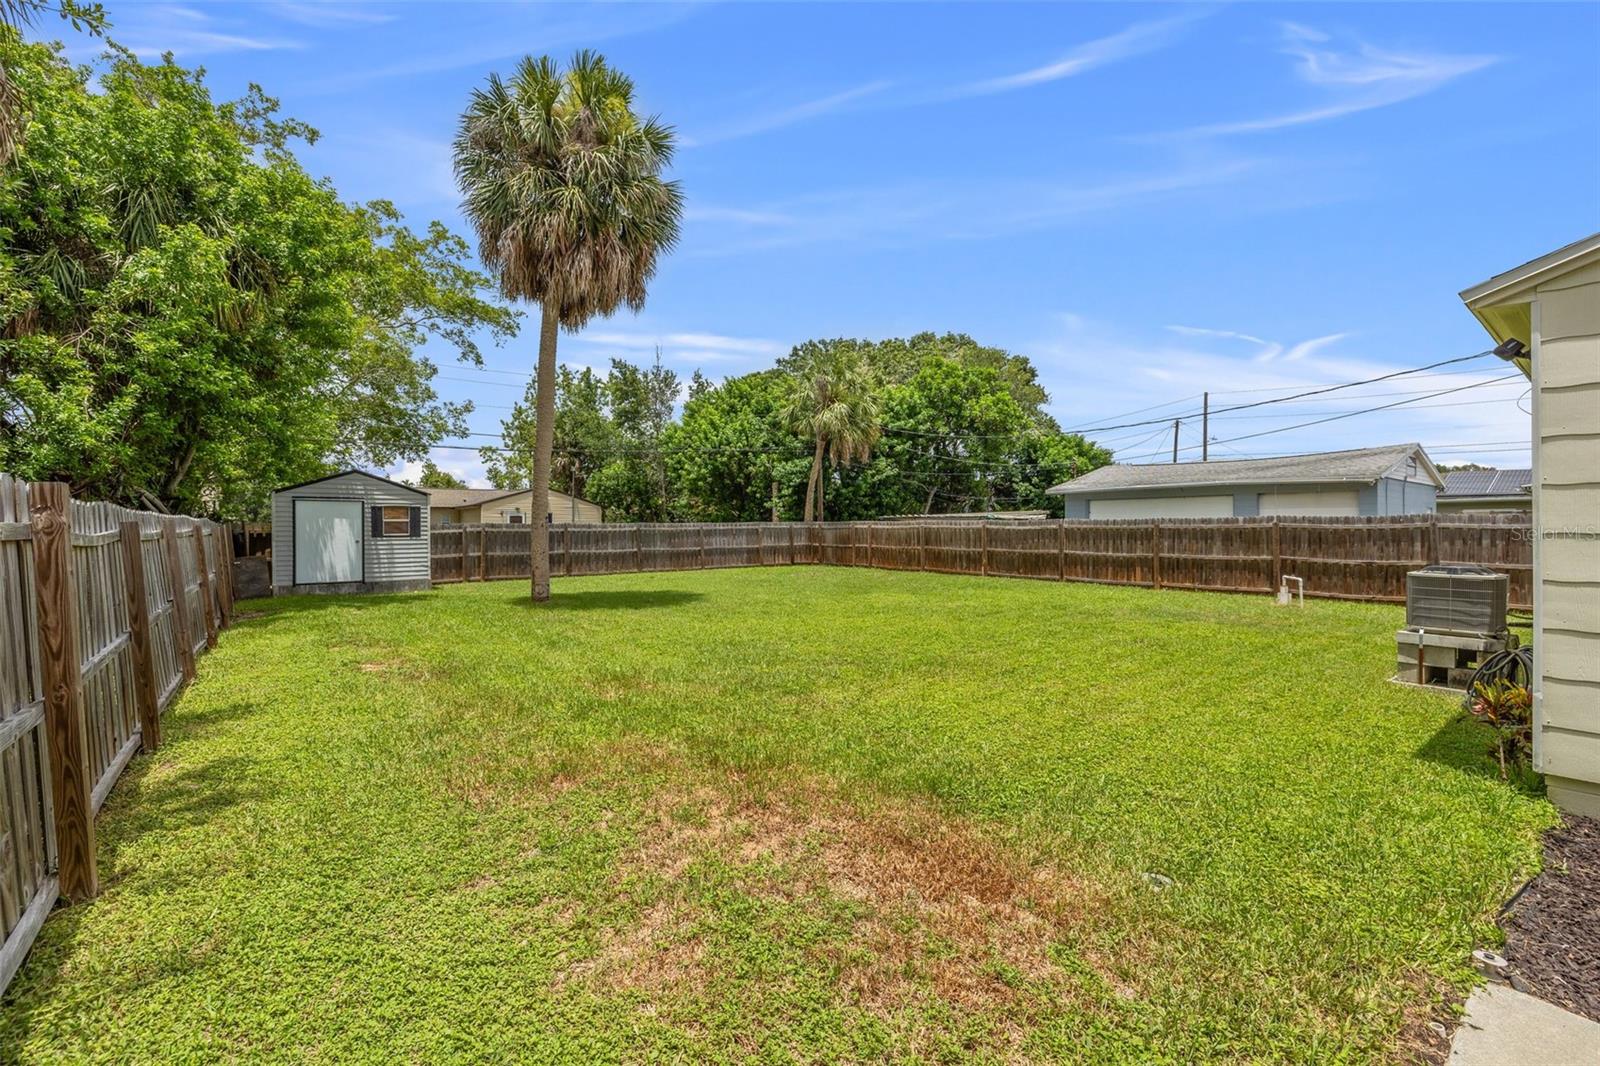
x=1511 y=664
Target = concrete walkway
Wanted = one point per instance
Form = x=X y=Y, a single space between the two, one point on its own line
x=1504 y=1027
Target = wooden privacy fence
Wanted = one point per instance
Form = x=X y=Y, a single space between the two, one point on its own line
x=102 y=612
x=1339 y=558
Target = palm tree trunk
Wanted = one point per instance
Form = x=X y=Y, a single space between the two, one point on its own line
x=813 y=481
x=543 y=443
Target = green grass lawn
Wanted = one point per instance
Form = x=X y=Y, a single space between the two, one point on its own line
x=791 y=814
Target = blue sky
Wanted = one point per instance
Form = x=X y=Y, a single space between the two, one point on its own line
x=1149 y=201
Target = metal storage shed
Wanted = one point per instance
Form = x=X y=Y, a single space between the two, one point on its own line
x=350 y=532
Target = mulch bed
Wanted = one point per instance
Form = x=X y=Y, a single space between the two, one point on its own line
x=1553 y=927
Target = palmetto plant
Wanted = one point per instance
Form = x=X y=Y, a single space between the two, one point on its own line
x=563 y=184
x=832 y=402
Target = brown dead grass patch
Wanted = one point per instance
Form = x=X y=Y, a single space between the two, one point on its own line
x=936 y=915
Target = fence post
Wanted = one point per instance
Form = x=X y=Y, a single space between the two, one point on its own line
x=50 y=507
x=144 y=678
x=922 y=546
x=1155 y=554
x=182 y=624
x=205 y=581
x=225 y=576
x=483 y=552
x=638 y=548
x=1277 y=553
x=1062 y=538
x=566 y=549
x=869 y=545
x=1431 y=540
x=701 y=548
x=983 y=539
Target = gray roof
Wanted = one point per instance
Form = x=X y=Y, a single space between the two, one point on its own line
x=1360 y=465
x=1487 y=483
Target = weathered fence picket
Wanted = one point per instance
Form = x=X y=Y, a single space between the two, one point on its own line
x=101 y=610
x=1339 y=558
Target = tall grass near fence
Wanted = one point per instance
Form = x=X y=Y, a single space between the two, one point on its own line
x=102 y=612
x=1338 y=558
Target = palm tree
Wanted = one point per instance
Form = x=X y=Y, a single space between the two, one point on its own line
x=562 y=182
x=833 y=403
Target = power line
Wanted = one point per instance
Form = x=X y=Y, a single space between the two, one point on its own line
x=1347 y=414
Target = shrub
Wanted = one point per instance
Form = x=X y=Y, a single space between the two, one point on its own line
x=1507 y=708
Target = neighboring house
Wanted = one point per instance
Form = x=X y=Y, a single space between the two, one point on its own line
x=456 y=507
x=1550 y=308
x=350 y=532
x=1398 y=479
x=1486 y=490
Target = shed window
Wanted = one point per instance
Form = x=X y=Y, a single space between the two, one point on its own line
x=396 y=521
x=514 y=518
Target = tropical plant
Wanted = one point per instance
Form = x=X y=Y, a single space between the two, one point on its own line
x=832 y=402
x=1507 y=708
x=563 y=184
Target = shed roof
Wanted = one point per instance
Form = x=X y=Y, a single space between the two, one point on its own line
x=1487 y=483
x=1359 y=465
x=346 y=473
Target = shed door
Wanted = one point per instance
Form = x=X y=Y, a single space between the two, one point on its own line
x=327 y=541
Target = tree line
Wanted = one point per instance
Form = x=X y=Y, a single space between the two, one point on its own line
x=187 y=317
x=838 y=429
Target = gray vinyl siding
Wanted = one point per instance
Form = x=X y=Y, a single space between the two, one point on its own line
x=1393 y=496
x=386 y=559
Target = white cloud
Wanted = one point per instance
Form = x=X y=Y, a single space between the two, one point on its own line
x=1361 y=77
x=786 y=116
x=153 y=30
x=1102 y=375
x=463 y=464
x=1266 y=351
x=1136 y=40
x=927 y=211
x=505 y=31
x=713 y=344
x=327 y=14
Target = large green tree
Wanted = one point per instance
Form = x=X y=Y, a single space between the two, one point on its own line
x=731 y=456
x=563 y=182
x=584 y=439
x=190 y=319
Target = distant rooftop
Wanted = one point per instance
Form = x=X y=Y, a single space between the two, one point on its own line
x=465 y=497
x=1356 y=465
x=1459 y=483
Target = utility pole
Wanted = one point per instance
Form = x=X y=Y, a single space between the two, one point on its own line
x=1175 y=423
x=1205 y=428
